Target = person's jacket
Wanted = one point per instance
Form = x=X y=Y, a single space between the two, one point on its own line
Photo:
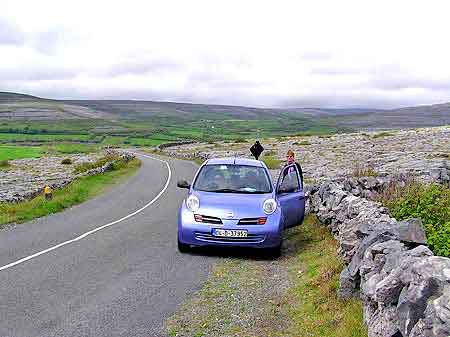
x=256 y=150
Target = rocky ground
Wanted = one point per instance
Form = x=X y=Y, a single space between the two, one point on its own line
x=418 y=151
x=25 y=178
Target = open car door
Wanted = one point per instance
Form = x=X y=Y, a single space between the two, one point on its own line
x=291 y=196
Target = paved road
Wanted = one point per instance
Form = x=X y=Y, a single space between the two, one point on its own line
x=123 y=280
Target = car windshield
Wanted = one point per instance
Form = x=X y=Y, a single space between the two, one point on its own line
x=233 y=179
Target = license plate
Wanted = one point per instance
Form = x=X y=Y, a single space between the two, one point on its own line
x=229 y=233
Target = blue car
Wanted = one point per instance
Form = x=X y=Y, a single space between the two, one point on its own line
x=233 y=202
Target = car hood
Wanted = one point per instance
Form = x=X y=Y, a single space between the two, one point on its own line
x=231 y=205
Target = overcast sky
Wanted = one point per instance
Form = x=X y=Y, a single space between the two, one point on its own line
x=258 y=53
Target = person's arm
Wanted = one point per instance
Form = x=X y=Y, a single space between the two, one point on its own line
x=299 y=168
x=252 y=150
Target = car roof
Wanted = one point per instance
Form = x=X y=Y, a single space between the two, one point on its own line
x=234 y=161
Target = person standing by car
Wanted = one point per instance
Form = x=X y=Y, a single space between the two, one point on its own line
x=256 y=149
x=290 y=156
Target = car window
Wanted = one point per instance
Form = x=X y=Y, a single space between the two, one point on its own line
x=233 y=179
x=289 y=180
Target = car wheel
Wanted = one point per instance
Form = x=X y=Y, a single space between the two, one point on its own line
x=182 y=247
x=274 y=252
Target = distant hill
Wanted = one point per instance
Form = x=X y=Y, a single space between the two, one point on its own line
x=131 y=109
x=26 y=107
x=11 y=97
x=409 y=117
x=15 y=106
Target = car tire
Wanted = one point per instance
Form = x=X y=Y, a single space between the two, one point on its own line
x=182 y=247
x=274 y=252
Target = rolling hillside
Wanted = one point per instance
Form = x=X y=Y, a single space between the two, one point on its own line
x=26 y=107
x=16 y=107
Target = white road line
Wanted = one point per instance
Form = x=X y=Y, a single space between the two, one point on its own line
x=82 y=236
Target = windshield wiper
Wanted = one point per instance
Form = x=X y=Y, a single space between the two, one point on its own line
x=230 y=190
x=226 y=190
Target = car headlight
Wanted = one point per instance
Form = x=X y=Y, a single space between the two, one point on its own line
x=192 y=203
x=269 y=206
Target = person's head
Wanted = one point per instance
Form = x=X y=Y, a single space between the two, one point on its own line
x=290 y=156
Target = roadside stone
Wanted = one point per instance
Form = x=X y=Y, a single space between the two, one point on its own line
x=411 y=231
x=383 y=322
x=436 y=321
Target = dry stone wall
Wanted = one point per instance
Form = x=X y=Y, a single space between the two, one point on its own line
x=404 y=288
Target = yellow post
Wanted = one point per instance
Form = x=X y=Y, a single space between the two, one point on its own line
x=48 y=192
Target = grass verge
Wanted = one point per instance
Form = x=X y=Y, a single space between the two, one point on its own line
x=78 y=191
x=295 y=295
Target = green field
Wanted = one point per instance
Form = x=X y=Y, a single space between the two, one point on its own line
x=18 y=152
x=158 y=130
x=146 y=124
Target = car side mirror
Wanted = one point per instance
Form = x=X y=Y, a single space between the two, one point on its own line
x=183 y=184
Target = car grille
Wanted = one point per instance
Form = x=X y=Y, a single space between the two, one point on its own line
x=255 y=238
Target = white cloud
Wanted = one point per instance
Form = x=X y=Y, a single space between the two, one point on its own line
x=261 y=53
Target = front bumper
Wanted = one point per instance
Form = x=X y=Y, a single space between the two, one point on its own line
x=191 y=232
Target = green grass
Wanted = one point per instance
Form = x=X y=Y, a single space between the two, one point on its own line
x=271 y=162
x=18 y=152
x=294 y=296
x=314 y=308
x=383 y=134
x=148 y=132
x=146 y=142
x=270 y=153
x=78 y=191
x=71 y=148
x=42 y=138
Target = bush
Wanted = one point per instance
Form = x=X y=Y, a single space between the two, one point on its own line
x=66 y=161
x=4 y=164
x=367 y=171
x=108 y=158
x=431 y=204
x=240 y=140
x=83 y=167
x=383 y=134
